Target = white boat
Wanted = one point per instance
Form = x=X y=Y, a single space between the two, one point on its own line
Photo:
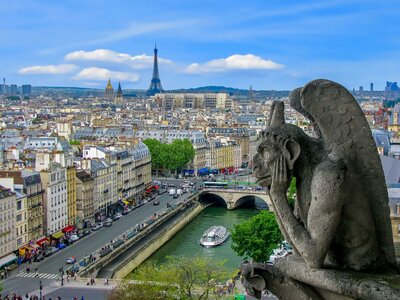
x=214 y=236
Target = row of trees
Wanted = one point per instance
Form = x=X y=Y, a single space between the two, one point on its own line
x=170 y=157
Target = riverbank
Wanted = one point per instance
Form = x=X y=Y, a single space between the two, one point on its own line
x=186 y=241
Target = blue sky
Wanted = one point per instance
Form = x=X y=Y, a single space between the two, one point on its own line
x=269 y=44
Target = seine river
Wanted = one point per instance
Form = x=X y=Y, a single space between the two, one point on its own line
x=186 y=241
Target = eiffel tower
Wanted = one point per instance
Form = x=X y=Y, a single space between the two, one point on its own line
x=155 y=84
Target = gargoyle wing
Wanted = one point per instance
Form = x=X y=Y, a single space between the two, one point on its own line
x=342 y=126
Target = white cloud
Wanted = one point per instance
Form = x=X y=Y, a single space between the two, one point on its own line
x=94 y=73
x=234 y=62
x=48 y=69
x=137 y=61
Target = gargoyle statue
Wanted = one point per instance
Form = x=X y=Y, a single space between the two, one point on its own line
x=341 y=216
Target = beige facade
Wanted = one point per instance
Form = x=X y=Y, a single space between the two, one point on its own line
x=246 y=138
x=104 y=182
x=143 y=173
x=84 y=195
x=237 y=155
x=7 y=221
x=222 y=154
x=21 y=220
x=29 y=183
x=395 y=219
x=199 y=160
x=71 y=195
x=170 y=101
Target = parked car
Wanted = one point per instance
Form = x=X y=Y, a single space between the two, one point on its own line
x=108 y=222
x=61 y=246
x=38 y=258
x=73 y=238
x=84 y=232
x=50 y=251
x=156 y=202
x=175 y=196
x=125 y=212
x=97 y=226
x=71 y=260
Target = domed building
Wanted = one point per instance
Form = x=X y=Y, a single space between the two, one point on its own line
x=109 y=94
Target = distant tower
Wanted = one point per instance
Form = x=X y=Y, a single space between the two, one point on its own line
x=251 y=93
x=155 y=84
x=371 y=87
x=119 y=99
x=109 y=94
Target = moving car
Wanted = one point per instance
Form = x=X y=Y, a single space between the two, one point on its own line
x=108 y=222
x=50 y=251
x=84 y=232
x=38 y=258
x=97 y=226
x=71 y=260
x=175 y=196
x=156 y=202
x=73 y=238
x=61 y=246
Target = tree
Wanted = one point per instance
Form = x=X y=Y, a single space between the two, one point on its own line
x=257 y=237
x=74 y=142
x=155 y=151
x=182 y=152
x=173 y=157
x=291 y=195
x=179 y=277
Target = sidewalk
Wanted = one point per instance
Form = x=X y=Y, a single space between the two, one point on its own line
x=80 y=283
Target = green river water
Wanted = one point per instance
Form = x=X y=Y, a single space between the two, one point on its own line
x=186 y=241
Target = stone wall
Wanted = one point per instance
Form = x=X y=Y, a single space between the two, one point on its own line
x=156 y=243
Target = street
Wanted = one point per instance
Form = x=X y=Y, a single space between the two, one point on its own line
x=48 y=269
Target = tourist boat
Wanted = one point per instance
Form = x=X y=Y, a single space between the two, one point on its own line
x=214 y=236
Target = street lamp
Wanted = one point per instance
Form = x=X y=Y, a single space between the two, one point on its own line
x=40 y=289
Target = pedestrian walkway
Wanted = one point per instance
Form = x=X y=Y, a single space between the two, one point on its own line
x=38 y=275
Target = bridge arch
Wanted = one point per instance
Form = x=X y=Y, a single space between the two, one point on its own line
x=236 y=198
x=207 y=198
x=253 y=200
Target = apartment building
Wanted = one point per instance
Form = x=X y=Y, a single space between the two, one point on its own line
x=54 y=182
x=7 y=221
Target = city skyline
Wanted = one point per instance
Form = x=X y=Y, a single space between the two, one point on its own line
x=275 y=46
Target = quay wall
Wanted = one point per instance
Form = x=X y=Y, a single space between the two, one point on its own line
x=145 y=252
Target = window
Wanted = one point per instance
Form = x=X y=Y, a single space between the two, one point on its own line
x=19 y=217
x=19 y=205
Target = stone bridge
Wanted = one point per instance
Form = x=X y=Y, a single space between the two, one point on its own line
x=235 y=197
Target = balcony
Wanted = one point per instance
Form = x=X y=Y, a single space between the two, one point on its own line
x=35 y=194
x=33 y=206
